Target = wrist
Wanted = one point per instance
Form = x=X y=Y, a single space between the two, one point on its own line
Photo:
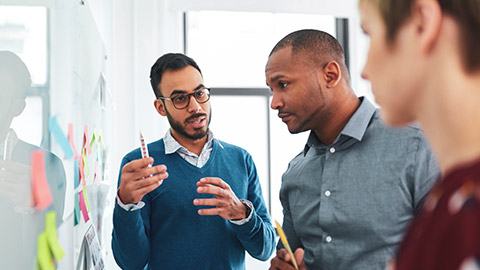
x=121 y=196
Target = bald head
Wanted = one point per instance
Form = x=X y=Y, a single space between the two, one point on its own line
x=14 y=75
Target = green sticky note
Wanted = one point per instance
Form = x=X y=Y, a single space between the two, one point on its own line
x=77 y=210
x=86 y=198
x=44 y=257
x=93 y=137
x=51 y=231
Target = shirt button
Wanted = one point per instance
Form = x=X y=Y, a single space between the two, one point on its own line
x=328 y=239
x=328 y=193
x=332 y=150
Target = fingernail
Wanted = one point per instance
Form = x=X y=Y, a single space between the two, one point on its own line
x=195 y=201
x=200 y=189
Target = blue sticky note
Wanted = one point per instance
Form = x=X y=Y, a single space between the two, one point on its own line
x=60 y=137
x=76 y=173
x=77 y=209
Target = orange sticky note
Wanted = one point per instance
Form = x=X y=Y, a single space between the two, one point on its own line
x=72 y=142
x=40 y=189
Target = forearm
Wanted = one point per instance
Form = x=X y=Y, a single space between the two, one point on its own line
x=130 y=243
x=257 y=236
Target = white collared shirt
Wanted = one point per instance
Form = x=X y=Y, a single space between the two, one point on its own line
x=172 y=146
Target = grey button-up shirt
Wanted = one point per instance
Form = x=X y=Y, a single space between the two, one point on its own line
x=348 y=204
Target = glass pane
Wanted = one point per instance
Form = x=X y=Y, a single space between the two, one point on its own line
x=29 y=125
x=232 y=48
x=23 y=30
x=233 y=123
x=285 y=147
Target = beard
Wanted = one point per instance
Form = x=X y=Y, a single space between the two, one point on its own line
x=198 y=133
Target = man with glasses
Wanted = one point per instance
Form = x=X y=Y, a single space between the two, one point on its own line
x=210 y=209
x=349 y=196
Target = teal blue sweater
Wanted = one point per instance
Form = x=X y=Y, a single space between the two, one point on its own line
x=168 y=233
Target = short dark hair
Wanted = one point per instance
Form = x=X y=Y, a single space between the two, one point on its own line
x=466 y=14
x=169 y=61
x=319 y=46
x=14 y=69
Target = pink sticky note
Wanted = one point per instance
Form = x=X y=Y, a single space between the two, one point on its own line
x=70 y=138
x=83 y=207
x=85 y=140
x=41 y=192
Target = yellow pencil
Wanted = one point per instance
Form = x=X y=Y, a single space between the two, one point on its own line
x=283 y=238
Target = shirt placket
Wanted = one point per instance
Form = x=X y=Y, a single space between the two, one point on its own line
x=326 y=206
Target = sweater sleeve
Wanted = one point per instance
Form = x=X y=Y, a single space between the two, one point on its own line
x=257 y=235
x=130 y=241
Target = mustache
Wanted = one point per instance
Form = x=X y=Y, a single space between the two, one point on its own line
x=195 y=116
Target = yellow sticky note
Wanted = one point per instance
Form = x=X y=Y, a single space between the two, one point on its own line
x=283 y=238
x=51 y=231
x=100 y=138
x=85 y=161
x=86 y=198
x=44 y=257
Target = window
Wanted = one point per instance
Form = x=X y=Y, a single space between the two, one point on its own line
x=232 y=49
x=23 y=30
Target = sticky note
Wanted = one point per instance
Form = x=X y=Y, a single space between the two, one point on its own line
x=86 y=197
x=85 y=140
x=77 y=209
x=83 y=207
x=80 y=167
x=93 y=137
x=100 y=138
x=85 y=161
x=52 y=238
x=44 y=257
x=76 y=172
x=42 y=196
x=71 y=140
x=60 y=137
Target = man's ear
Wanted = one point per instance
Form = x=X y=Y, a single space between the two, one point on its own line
x=18 y=107
x=160 y=106
x=332 y=74
x=427 y=17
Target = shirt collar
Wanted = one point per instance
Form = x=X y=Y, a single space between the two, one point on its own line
x=172 y=146
x=358 y=123
x=355 y=127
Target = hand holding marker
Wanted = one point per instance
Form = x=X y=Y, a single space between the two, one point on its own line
x=144 y=151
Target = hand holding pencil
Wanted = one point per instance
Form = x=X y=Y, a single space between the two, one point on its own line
x=139 y=177
x=286 y=259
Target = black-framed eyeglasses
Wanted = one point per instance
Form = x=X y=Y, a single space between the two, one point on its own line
x=182 y=101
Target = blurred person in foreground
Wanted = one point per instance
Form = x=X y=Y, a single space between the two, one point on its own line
x=424 y=65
